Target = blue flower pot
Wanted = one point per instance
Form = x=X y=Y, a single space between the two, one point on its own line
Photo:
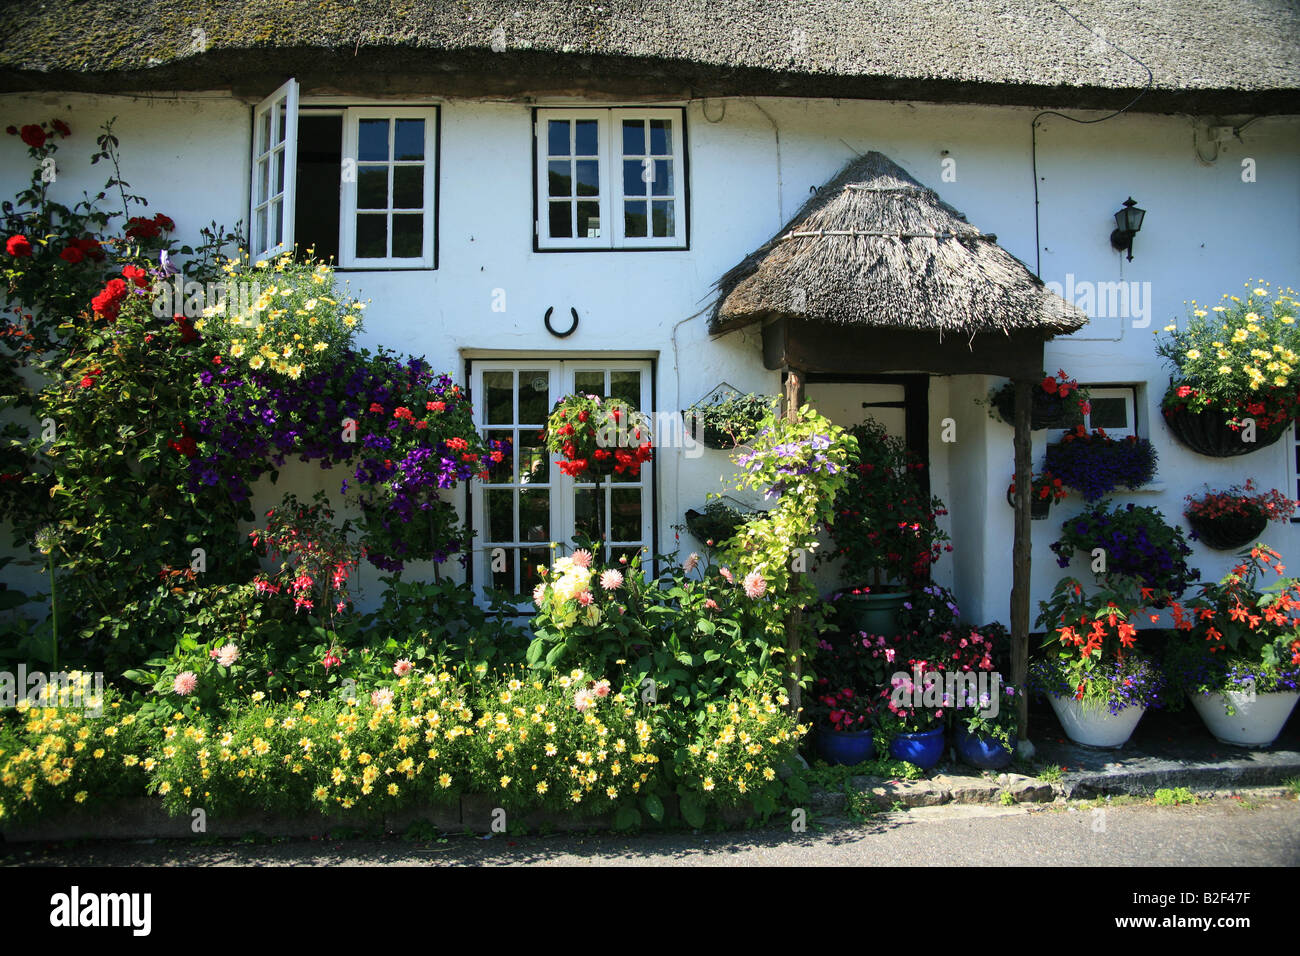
x=924 y=749
x=847 y=747
x=983 y=752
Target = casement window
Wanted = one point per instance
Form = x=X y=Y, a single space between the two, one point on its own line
x=523 y=509
x=610 y=179
x=1113 y=409
x=357 y=184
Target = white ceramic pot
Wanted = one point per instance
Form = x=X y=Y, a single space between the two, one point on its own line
x=1096 y=726
x=1255 y=723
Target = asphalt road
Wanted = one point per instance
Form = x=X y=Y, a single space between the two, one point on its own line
x=1221 y=833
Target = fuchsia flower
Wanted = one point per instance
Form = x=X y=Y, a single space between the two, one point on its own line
x=185 y=683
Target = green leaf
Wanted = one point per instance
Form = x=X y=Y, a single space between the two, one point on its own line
x=693 y=810
x=627 y=817
x=655 y=807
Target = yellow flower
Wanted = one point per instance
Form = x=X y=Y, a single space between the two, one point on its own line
x=81 y=796
x=1225 y=369
x=444 y=780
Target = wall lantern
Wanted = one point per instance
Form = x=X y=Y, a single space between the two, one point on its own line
x=1127 y=223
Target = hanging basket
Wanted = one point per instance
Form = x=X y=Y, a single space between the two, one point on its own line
x=1039 y=508
x=1229 y=533
x=714 y=438
x=1047 y=411
x=1207 y=433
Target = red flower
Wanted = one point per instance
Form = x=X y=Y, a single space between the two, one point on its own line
x=87 y=381
x=61 y=127
x=188 y=334
x=136 y=275
x=89 y=247
x=33 y=136
x=377 y=408
x=163 y=222
x=435 y=406
x=1184 y=391
x=71 y=254
x=403 y=413
x=109 y=302
x=138 y=227
x=18 y=246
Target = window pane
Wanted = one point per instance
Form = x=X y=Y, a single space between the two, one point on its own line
x=503 y=473
x=277 y=214
x=588 y=177
x=408 y=187
x=584 y=506
x=663 y=218
x=372 y=187
x=530 y=559
x=589 y=382
x=589 y=220
x=534 y=397
x=634 y=219
x=260 y=232
x=557 y=138
x=661 y=137
x=372 y=136
x=499 y=506
x=503 y=571
x=1109 y=413
x=408 y=236
x=635 y=176
x=372 y=237
x=498 y=400
x=534 y=459
x=661 y=183
x=409 y=139
x=535 y=515
x=633 y=138
x=585 y=138
x=625 y=514
x=281 y=113
x=264 y=133
x=559 y=181
x=263 y=178
x=279 y=171
x=626 y=387
x=561 y=225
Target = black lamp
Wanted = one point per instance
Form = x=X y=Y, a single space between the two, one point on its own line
x=1128 y=221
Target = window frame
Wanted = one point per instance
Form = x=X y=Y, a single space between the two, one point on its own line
x=612 y=201
x=1129 y=393
x=351 y=110
x=285 y=96
x=562 y=487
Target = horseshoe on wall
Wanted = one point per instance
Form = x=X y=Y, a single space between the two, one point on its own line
x=561 y=335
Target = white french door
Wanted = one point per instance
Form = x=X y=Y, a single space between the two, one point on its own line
x=526 y=507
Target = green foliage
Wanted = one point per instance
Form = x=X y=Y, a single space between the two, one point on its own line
x=729 y=420
x=1173 y=797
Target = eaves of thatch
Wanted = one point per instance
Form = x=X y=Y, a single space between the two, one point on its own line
x=1206 y=56
x=875 y=249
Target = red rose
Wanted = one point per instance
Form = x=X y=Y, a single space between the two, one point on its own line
x=11 y=130
x=89 y=247
x=163 y=222
x=137 y=227
x=18 y=246
x=109 y=302
x=136 y=275
x=188 y=334
x=61 y=127
x=33 y=136
x=71 y=254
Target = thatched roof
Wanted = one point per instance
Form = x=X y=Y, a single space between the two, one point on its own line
x=874 y=247
x=1207 y=56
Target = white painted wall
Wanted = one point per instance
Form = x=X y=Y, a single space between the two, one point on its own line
x=1206 y=233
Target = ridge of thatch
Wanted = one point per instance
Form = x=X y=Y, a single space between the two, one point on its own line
x=1205 y=56
x=874 y=247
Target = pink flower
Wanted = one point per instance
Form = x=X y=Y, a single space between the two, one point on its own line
x=582 y=558
x=601 y=689
x=755 y=585
x=538 y=593
x=382 y=697
x=727 y=575
x=402 y=667
x=691 y=563
x=611 y=580
x=711 y=604
x=227 y=655
x=583 y=699
x=585 y=598
x=301 y=602
x=185 y=683
x=889 y=654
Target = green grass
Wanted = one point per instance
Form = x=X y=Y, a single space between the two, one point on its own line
x=1050 y=774
x=1006 y=799
x=1173 y=797
x=1294 y=786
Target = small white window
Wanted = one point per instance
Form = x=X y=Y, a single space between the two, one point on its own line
x=1113 y=409
x=610 y=179
x=354 y=184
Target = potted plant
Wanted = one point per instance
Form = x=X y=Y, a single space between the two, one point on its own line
x=1044 y=490
x=1058 y=402
x=1137 y=542
x=727 y=420
x=985 y=728
x=1097 y=683
x=886 y=531
x=1239 y=661
x=849 y=670
x=915 y=731
x=1232 y=387
x=1096 y=464
x=1231 y=519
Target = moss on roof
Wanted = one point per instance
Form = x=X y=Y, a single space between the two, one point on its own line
x=1204 y=54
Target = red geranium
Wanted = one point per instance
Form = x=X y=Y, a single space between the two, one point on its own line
x=188 y=334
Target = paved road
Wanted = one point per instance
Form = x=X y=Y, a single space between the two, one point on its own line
x=1222 y=833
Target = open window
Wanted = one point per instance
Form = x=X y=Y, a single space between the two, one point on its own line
x=356 y=184
x=1113 y=409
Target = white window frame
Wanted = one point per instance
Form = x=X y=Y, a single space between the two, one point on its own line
x=562 y=374
x=287 y=97
x=352 y=117
x=1126 y=392
x=611 y=201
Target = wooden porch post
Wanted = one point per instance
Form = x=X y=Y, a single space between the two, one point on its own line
x=794 y=382
x=1020 y=563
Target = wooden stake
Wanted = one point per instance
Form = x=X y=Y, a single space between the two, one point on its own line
x=1020 y=552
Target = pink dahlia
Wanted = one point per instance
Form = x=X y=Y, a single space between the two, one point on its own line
x=727 y=575
x=585 y=598
x=583 y=699
x=382 y=697
x=185 y=683
x=755 y=585
x=611 y=580
x=601 y=689
x=227 y=655
x=691 y=563
x=402 y=667
x=582 y=558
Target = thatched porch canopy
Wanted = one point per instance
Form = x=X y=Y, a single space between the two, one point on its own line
x=877 y=273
